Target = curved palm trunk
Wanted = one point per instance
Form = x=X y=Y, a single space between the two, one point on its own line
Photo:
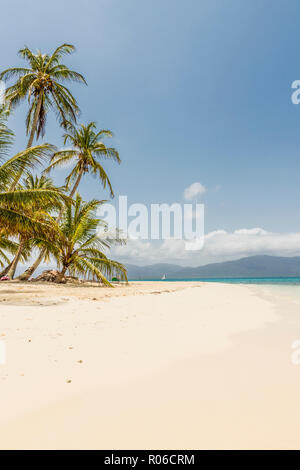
x=12 y=269
x=29 y=272
x=5 y=270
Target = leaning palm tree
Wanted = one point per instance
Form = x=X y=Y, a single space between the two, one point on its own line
x=86 y=150
x=10 y=247
x=41 y=82
x=35 y=182
x=39 y=210
x=12 y=200
x=18 y=214
x=78 y=249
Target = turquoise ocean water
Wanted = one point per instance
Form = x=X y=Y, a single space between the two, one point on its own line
x=286 y=281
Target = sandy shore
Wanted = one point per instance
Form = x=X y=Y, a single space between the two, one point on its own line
x=157 y=365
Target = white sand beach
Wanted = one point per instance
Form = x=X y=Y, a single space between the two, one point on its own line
x=164 y=365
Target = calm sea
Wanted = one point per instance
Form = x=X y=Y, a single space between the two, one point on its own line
x=288 y=281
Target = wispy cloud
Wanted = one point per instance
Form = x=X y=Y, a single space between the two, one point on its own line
x=194 y=190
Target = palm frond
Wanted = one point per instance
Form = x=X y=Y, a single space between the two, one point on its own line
x=11 y=170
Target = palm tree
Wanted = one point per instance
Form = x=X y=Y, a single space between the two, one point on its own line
x=7 y=172
x=41 y=82
x=34 y=183
x=14 y=220
x=87 y=148
x=78 y=249
x=18 y=206
x=17 y=217
x=13 y=201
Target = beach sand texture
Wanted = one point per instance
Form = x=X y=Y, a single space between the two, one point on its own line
x=153 y=365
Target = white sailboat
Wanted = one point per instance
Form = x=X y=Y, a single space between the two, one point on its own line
x=164 y=277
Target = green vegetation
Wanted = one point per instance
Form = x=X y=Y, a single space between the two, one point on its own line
x=34 y=212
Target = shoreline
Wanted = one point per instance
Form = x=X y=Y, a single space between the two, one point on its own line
x=150 y=366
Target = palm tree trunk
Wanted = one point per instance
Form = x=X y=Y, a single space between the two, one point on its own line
x=35 y=120
x=29 y=272
x=12 y=269
x=31 y=137
x=5 y=270
x=74 y=189
x=61 y=275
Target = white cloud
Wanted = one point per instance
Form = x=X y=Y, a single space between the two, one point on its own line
x=219 y=246
x=250 y=231
x=193 y=191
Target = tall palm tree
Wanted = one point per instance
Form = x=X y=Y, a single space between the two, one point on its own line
x=78 y=248
x=42 y=83
x=86 y=149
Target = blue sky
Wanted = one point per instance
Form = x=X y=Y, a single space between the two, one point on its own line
x=195 y=91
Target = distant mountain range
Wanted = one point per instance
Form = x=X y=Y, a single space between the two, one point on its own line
x=252 y=266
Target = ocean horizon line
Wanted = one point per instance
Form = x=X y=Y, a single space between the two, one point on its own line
x=285 y=280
